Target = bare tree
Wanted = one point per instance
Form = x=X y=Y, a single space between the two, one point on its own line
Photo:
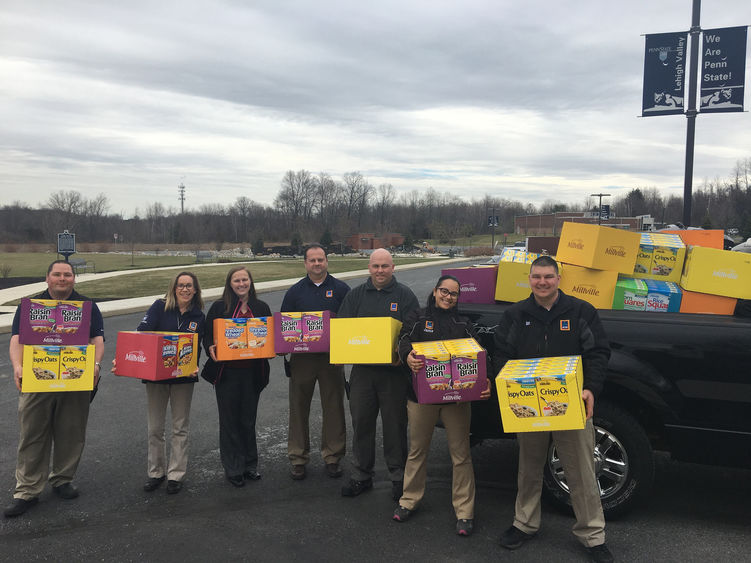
x=384 y=201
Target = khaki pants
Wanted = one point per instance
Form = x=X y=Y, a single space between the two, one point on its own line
x=575 y=449
x=179 y=396
x=51 y=425
x=306 y=370
x=422 y=419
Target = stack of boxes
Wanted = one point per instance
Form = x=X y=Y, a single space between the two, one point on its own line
x=57 y=355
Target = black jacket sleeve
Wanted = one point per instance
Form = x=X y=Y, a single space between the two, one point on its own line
x=595 y=349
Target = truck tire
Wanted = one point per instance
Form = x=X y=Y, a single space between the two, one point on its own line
x=624 y=464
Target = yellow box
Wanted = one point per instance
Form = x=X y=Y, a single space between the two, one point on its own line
x=719 y=272
x=57 y=368
x=602 y=248
x=364 y=340
x=660 y=257
x=594 y=286
x=512 y=283
x=541 y=394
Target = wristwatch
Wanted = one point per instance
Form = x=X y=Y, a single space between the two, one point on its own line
x=97 y=364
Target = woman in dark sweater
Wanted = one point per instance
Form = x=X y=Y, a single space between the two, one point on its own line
x=438 y=321
x=179 y=311
x=237 y=383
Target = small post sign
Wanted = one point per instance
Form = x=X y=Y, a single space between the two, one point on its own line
x=66 y=243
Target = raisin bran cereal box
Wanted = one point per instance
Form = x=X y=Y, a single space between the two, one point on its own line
x=541 y=394
x=468 y=368
x=433 y=381
x=290 y=327
x=313 y=335
x=156 y=356
x=57 y=368
x=51 y=322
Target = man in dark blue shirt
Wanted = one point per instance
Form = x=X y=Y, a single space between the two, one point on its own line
x=317 y=291
x=52 y=424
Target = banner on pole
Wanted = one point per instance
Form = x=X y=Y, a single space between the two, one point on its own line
x=723 y=69
x=664 y=73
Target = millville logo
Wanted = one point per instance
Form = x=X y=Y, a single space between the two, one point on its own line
x=727 y=274
x=576 y=243
x=136 y=356
x=358 y=340
x=586 y=289
x=616 y=251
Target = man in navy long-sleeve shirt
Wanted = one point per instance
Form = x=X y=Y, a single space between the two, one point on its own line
x=317 y=291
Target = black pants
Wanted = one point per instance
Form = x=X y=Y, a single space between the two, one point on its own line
x=237 y=400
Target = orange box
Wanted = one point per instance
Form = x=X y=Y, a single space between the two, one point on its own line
x=240 y=339
x=694 y=302
x=155 y=356
x=711 y=238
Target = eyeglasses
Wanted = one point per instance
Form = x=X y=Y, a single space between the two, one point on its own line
x=446 y=293
x=185 y=286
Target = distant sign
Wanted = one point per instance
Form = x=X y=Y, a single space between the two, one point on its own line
x=492 y=220
x=66 y=243
x=723 y=69
x=664 y=74
x=605 y=212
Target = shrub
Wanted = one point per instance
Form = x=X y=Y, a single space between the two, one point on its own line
x=5 y=270
x=478 y=251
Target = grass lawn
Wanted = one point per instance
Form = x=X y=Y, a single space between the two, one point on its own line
x=156 y=282
x=23 y=264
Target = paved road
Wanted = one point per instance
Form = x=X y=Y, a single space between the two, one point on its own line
x=696 y=513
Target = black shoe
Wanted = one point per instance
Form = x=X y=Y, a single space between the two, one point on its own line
x=174 y=487
x=600 y=554
x=153 y=483
x=514 y=538
x=66 y=491
x=397 y=490
x=354 y=488
x=333 y=470
x=465 y=527
x=252 y=475
x=236 y=480
x=19 y=506
x=401 y=514
x=297 y=472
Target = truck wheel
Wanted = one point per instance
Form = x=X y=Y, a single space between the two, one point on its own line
x=624 y=464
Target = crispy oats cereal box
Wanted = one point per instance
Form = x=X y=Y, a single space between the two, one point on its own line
x=73 y=362
x=57 y=368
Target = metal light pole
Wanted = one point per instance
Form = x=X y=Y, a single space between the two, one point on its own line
x=688 y=176
x=599 y=207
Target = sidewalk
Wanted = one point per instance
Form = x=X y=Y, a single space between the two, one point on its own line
x=141 y=304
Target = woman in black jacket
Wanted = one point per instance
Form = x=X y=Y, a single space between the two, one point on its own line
x=438 y=321
x=238 y=383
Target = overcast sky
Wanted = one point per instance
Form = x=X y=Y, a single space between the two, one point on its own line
x=528 y=100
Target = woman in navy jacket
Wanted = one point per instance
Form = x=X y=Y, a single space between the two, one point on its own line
x=237 y=383
x=438 y=321
x=179 y=311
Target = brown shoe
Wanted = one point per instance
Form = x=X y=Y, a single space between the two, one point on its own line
x=297 y=472
x=333 y=470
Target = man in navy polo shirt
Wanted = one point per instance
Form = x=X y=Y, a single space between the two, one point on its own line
x=52 y=424
x=317 y=291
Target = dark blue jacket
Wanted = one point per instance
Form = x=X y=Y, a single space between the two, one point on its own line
x=307 y=296
x=193 y=320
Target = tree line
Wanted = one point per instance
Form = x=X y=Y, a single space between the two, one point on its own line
x=319 y=207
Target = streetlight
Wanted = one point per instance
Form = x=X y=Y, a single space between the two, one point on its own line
x=599 y=214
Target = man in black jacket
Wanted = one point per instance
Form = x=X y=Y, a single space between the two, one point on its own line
x=550 y=323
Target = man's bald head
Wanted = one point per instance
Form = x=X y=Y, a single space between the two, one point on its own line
x=381 y=268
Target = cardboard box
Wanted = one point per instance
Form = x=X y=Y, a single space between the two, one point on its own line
x=709 y=238
x=541 y=394
x=693 y=302
x=54 y=323
x=595 y=286
x=364 y=340
x=647 y=295
x=156 y=356
x=598 y=247
x=719 y=272
x=57 y=368
x=454 y=371
x=660 y=257
x=512 y=282
x=302 y=332
x=477 y=283
x=244 y=339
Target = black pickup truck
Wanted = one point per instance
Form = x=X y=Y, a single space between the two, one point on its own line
x=679 y=383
